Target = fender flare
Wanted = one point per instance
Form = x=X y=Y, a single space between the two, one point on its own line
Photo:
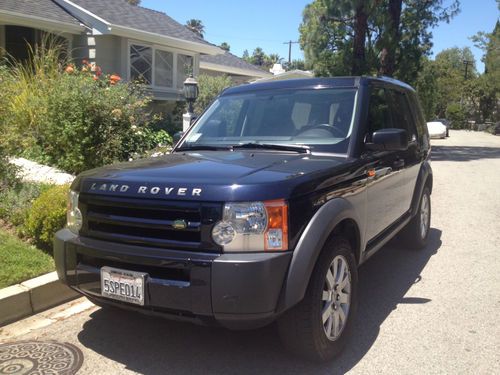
x=310 y=245
x=424 y=175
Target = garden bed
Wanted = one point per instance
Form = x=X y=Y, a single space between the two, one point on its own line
x=21 y=261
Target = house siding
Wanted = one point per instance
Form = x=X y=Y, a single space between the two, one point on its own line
x=107 y=52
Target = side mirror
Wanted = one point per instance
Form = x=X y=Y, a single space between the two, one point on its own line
x=177 y=137
x=391 y=139
x=193 y=119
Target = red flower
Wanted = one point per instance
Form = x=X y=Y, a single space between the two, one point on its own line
x=114 y=78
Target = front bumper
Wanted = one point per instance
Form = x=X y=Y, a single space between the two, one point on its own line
x=235 y=290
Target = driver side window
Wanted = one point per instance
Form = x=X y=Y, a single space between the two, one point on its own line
x=379 y=114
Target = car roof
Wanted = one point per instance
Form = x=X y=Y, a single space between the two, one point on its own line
x=314 y=83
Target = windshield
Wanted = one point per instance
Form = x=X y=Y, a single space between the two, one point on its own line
x=318 y=118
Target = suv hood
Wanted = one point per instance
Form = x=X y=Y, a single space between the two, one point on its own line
x=213 y=176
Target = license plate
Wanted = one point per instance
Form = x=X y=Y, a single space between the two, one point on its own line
x=123 y=285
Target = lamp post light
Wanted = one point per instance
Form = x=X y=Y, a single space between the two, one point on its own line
x=190 y=93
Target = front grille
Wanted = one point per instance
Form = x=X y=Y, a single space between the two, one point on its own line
x=150 y=222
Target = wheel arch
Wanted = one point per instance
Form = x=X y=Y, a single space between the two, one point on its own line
x=424 y=179
x=337 y=216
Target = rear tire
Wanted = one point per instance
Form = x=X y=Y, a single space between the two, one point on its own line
x=416 y=232
x=319 y=327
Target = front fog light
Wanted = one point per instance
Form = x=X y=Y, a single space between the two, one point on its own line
x=74 y=215
x=223 y=233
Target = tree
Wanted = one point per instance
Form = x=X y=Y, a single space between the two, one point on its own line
x=366 y=36
x=246 y=56
x=134 y=2
x=258 y=57
x=196 y=26
x=427 y=88
x=296 y=65
x=226 y=47
x=209 y=88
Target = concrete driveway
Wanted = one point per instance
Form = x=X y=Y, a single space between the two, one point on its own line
x=435 y=311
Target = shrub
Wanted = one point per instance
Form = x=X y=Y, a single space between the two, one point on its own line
x=209 y=88
x=16 y=202
x=47 y=216
x=8 y=173
x=73 y=118
x=456 y=114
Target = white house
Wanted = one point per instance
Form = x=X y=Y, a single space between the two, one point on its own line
x=128 y=40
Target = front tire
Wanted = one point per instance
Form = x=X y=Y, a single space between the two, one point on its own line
x=416 y=232
x=318 y=327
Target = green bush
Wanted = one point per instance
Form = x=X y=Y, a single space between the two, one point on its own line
x=8 y=173
x=457 y=116
x=47 y=216
x=209 y=88
x=16 y=201
x=74 y=118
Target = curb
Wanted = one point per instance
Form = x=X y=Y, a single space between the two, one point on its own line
x=33 y=296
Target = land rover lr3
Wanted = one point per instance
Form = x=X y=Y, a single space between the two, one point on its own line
x=263 y=211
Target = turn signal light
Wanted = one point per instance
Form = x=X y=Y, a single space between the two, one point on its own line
x=276 y=234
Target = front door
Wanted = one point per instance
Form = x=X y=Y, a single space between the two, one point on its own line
x=387 y=187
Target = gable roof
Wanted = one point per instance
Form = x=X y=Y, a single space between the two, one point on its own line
x=118 y=17
x=120 y=12
x=229 y=63
x=41 y=10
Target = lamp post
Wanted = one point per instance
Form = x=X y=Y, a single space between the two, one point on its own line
x=190 y=93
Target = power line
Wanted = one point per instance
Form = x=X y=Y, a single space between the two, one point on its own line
x=467 y=63
x=290 y=50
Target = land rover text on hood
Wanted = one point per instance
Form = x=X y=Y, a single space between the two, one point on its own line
x=263 y=211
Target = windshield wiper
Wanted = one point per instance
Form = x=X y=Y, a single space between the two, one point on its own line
x=273 y=146
x=204 y=147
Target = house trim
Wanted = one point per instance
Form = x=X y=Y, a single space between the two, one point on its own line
x=13 y=18
x=233 y=70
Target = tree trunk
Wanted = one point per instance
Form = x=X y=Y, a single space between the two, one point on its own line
x=360 y=30
x=388 y=62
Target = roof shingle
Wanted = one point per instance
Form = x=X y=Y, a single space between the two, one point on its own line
x=41 y=8
x=121 y=13
x=228 y=59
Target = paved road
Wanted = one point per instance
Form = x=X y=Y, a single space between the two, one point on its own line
x=436 y=311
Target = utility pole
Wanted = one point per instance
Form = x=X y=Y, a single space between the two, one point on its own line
x=467 y=63
x=290 y=50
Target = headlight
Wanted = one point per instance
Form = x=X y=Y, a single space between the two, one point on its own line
x=253 y=226
x=74 y=215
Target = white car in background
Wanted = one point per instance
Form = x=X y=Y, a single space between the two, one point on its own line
x=436 y=129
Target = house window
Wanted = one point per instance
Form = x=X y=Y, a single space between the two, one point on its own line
x=164 y=68
x=158 y=67
x=141 y=63
x=184 y=69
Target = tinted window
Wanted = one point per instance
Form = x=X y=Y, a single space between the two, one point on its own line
x=379 y=114
x=401 y=114
x=318 y=118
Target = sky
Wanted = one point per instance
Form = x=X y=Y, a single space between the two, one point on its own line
x=270 y=23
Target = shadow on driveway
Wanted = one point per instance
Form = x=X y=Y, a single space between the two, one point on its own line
x=151 y=345
x=463 y=153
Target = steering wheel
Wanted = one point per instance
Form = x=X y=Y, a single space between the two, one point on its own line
x=333 y=130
